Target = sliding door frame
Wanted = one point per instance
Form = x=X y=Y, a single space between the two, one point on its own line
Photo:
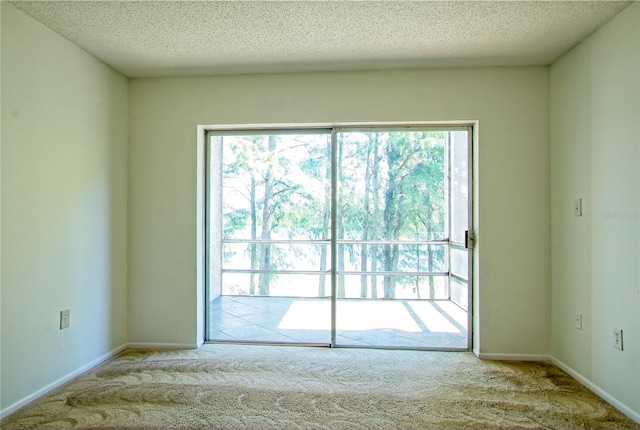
x=334 y=129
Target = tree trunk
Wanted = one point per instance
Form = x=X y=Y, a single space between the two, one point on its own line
x=364 y=284
x=265 y=251
x=374 y=278
x=432 y=287
x=253 y=249
x=341 y=283
x=375 y=227
x=417 y=270
x=366 y=221
x=326 y=219
x=392 y=223
x=391 y=257
x=340 y=226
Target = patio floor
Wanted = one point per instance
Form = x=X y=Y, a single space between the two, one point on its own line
x=425 y=324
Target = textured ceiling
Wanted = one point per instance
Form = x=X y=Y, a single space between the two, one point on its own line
x=158 y=38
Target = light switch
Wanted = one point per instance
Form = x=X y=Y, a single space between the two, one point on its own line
x=577 y=207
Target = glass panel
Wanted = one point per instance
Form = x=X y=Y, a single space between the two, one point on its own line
x=391 y=185
x=273 y=188
x=276 y=186
x=460 y=262
x=459 y=184
x=460 y=293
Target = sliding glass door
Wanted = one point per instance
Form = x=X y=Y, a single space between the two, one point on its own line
x=343 y=237
x=392 y=230
x=269 y=281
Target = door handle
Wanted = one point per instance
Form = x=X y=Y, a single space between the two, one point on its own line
x=469 y=239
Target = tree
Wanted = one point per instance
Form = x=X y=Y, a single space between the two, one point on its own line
x=267 y=213
x=366 y=218
x=415 y=175
x=390 y=187
x=376 y=217
x=241 y=169
x=341 y=212
x=424 y=191
x=393 y=209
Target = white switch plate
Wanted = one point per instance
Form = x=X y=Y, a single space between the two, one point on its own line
x=65 y=319
x=577 y=320
x=617 y=339
x=577 y=207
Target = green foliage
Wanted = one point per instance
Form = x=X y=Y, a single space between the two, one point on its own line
x=235 y=220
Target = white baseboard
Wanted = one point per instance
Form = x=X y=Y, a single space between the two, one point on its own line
x=144 y=345
x=511 y=357
x=599 y=391
x=47 y=389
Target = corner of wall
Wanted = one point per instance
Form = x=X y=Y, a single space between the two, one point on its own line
x=63 y=208
x=595 y=102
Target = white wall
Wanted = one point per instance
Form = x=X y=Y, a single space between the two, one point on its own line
x=513 y=221
x=595 y=140
x=64 y=188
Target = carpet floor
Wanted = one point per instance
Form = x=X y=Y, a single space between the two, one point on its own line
x=241 y=386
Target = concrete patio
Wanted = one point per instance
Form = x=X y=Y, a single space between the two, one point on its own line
x=424 y=324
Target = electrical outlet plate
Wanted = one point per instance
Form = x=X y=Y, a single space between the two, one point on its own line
x=617 y=339
x=577 y=321
x=64 y=319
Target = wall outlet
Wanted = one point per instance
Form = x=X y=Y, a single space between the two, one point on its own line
x=577 y=320
x=617 y=338
x=65 y=319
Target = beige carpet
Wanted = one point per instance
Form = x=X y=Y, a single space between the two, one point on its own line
x=235 y=386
